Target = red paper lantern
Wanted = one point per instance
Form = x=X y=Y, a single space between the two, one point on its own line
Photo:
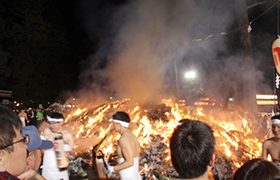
x=276 y=54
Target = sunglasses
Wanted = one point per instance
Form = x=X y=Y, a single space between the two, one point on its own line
x=25 y=140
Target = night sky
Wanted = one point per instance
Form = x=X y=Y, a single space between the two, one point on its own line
x=127 y=48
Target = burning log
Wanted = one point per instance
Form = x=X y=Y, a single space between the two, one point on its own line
x=155 y=158
x=153 y=127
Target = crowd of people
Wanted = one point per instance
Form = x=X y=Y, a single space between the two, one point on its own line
x=32 y=140
x=33 y=145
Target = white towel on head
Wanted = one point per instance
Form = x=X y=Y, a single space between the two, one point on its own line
x=275 y=121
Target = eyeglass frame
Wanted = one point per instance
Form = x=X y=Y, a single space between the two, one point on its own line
x=25 y=140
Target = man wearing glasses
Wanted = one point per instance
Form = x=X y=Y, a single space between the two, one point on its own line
x=13 y=145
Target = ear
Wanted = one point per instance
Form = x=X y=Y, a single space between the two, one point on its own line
x=30 y=160
x=2 y=155
x=1 y=161
x=212 y=162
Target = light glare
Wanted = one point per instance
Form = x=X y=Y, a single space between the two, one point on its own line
x=190 y=75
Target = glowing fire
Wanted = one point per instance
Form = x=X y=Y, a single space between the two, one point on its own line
x=90 y=126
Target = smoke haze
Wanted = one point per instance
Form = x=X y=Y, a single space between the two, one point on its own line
x=139 y=40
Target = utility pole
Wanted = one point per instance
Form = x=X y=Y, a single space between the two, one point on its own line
x=176 y=79
x=247 y=64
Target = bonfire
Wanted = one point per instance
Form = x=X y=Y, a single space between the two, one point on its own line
x=153 y=126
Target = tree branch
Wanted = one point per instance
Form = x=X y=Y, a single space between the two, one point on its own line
x=257 y=4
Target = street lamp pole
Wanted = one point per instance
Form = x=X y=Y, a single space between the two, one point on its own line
x=176 y=78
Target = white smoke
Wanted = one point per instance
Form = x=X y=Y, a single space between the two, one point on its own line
x=139 y=40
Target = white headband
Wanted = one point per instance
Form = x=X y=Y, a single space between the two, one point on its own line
x=275 y=121
x=177 y=123
x=124 y=124
x=54 y=119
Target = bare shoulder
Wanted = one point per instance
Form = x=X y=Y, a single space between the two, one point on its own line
x=67 y=133
x=128 y=138
x=127 y=135
x=48 y=134
x=269 y=141
x=68 y=138
x=47 y=131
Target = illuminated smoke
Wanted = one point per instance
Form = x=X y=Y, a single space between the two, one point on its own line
x=139 y=40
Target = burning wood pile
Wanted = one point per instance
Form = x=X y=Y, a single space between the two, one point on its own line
x=153 y=125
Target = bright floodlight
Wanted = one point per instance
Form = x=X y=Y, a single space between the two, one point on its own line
x=190 y=75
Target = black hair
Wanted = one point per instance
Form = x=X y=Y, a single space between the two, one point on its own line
x=276 y=117
x=55 y=115
x=257 y=169
x=274 y=125
x=192 y=147
x=9 y=122
x=123 y=116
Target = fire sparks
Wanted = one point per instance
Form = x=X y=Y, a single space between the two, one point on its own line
x=153 y=128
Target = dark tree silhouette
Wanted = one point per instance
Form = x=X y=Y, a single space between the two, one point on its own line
x=35 y=48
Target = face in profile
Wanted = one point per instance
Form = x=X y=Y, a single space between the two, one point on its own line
x=18 y=155
x=276 y=130
x=116 y=127
x=34 y=159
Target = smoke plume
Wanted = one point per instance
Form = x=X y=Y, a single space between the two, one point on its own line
x=141 y=43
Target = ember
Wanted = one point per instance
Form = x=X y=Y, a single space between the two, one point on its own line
x=235 y=143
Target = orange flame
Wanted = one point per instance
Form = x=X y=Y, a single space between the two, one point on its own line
x=92 y=125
